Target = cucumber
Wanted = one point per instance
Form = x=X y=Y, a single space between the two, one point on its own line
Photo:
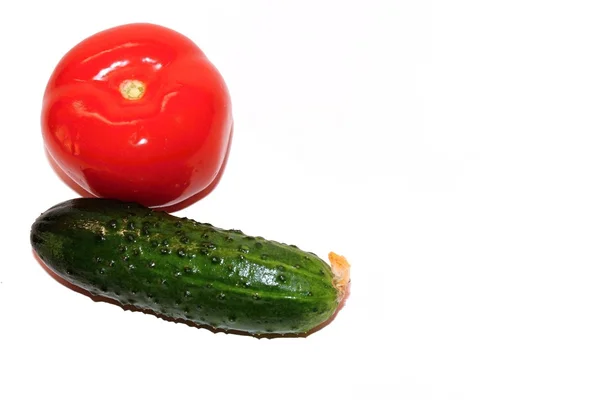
x=186 y=270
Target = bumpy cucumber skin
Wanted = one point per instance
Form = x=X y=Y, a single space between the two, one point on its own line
x=184 y=269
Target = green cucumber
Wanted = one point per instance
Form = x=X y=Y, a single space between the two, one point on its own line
x=186 y=270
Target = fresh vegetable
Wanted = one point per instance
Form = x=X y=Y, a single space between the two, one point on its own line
x=183 y=269
x=138 y=113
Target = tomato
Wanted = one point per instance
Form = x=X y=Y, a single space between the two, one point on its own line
x=138 y=113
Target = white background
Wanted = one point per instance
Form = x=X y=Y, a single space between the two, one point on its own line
x=449 y=149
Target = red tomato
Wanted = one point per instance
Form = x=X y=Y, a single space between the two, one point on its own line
x=138 y=113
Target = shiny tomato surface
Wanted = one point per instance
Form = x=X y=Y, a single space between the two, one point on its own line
x=138 y=113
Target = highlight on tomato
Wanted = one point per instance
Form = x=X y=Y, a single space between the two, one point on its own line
x=138 y=113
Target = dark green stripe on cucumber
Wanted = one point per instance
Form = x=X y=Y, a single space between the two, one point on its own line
x=183 y=269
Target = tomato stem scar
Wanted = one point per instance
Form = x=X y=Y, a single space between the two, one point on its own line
x=132 y=89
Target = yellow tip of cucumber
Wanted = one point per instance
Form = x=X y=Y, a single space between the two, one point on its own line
x=341 y=271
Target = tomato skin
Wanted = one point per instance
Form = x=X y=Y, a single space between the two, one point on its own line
x=138 y=113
